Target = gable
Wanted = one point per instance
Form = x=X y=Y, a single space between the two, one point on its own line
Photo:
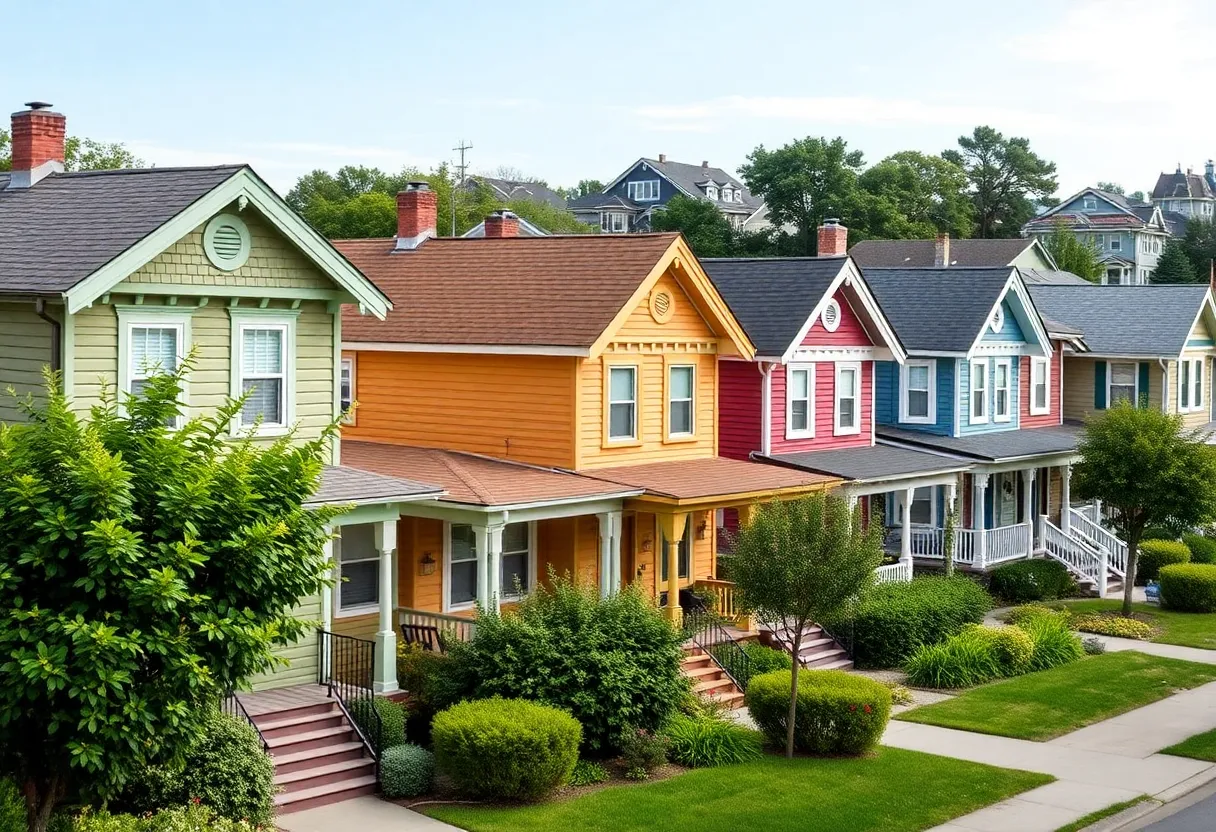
x=1203 y=333
x=1011 y=330
x=642 y=172
x=1099 y=203
x=683 y=321
x=1033 y=257
x=1022 y=324
x=849 y=333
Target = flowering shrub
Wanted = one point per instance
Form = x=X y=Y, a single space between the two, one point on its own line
x=837 y=712
x=642 y=752
x=1113 y=625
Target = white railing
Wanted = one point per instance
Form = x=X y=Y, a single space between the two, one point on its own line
x=1089 y=511
x=1006 y=543
x=998 y=545
x=899 y=572
x=1099 y=537
x=1081 y=559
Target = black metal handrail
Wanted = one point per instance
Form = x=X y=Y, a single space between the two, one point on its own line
x=347 y=667
x=706 y=631
x=234 y=707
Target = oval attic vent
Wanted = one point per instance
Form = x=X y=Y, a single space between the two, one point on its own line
x=662 y=305
x=226 y=242
x=831 y=316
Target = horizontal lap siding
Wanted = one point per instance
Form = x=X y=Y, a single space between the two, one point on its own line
x=887 y=395
x=740 y=406
x=1052 y=417
x=519 y=407
x=964 y=387
x=1078 y=401
x=685 y=322
x=1194 y=418
x=416 y=538
x=824 y=411
x=301 y=668
x=850 y=333
x=25 y=348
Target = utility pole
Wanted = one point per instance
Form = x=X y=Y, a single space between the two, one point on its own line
x=460 y=169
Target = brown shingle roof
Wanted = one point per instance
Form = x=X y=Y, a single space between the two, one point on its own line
x=478 y=480
x=921 y=253
x=715 y=477
x=521 y=291
x=343 y=484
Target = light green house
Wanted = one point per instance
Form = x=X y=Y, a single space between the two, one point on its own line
x=105 y=276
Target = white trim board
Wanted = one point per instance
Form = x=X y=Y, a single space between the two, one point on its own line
x=477 y=349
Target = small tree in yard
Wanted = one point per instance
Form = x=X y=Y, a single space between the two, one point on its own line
x=1147 y=470
x=144 y=572
x=802 y=561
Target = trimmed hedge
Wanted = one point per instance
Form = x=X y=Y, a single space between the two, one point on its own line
x=506 y=749
x=1203 y=549
x=1155 y=554
x=1038 y=579
x=1189 y=587
x=837 y=713
x=406 y=771
x=392 y=721
x=892 y=620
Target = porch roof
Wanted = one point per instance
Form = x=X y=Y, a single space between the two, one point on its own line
x=877 y=463
x=341 y=484
x=999 y=446
x=714 y=479
x=478 y=480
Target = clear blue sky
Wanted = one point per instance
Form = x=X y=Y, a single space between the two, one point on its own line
x=564 y=91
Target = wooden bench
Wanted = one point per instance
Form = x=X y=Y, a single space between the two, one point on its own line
x=427 y=636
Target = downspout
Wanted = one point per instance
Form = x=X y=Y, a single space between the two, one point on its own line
x=56 y=335
x=766 y=415
x=1165 y=385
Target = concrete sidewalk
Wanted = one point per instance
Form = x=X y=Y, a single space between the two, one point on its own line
x=364 y=814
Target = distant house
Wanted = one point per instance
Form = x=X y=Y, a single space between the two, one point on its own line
x=1188 y=194
x=944 y=252
x=627 y=203
x=509 y=190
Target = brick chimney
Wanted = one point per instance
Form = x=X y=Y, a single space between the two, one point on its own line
x=941 y=251
x=833 y=239
x=662 y=158
x=705 y=168
x=417 y=215
x=37 y=138
x=502 y=224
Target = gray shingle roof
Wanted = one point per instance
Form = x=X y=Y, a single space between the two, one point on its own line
x=874 y=464
x=68 y=225
x=690 y=177
x=341 y=484
x=591 y=202
x=1148 y=321
x=942 y=310
x=922 y=253
x=773 y=297
x=1053 y=277
x=1182 y=185
x=996 y=446
x=508 y=189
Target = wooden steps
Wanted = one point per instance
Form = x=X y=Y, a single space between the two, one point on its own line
x=709 y=679
x=818 y=650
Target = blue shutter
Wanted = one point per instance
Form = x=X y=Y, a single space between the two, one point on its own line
x=1143 y=388
x=1100 y=385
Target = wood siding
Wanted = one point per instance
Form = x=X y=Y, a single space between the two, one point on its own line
x=1079 y=385
x=686 y=322
x=824 y=411
x=850 y=333
x=740 y=406
x=25 y=348
x=301 y=668
x=1052 y=417
x=1193 y=418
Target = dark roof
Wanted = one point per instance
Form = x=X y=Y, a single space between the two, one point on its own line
x=773 y=297
x=941 y=310
x=508 y=189
x=69 y=225
x=1175 y=223
x=1179 y=185
x=691 y=177
x=1053 y=277
x=874 y=464
x=1150 y=321
x=342 y=484
x=922 y=253
x=992 y=447
x=592 y=202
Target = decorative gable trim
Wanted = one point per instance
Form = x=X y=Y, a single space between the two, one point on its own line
x=1059 y=207
x=1016 y=285
x=1209 y=306
x=644 y=161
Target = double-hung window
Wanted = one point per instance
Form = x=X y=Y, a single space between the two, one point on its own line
x=848 y=398
x=918 y=404
x=1184 y=386
x=346 y=395
x=152 y=343
x=799 y=401
x=1116 y=243
x=613 y=222
x=461 y=566
x=646 y=190
x=681 y=383
x=516 y=560
x=622 y=404
x=358 y=569
x=1040 y=383
x=1122 y=382
x=1002 y=391
x=517 y=572
x=979 y=392
x=1190 y=385
x=263 y=370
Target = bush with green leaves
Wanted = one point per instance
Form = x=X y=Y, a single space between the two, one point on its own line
x=965 y=659
x=1113 y=625
x=12 y=807
x=611 y=662
x=760 y=659
x=699 y=742
x=406 y=771
x=1189 y=587
x=588 y=773
x=189 y=818
x=1023 y=613
x=386 y=732
x=1155 y=554
x=506 y=749
x=1037 y=579
x=642 y=751
x=1203 y=548
x=838 y=712
x=433 y=682
x=1158 y=533
x=893 y=619
x=1054 y=643
x=1093 y=646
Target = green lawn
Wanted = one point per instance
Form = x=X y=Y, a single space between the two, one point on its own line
x=1187 y=629
x=892 y=791
x=1094 y=817
x=1199 y=747
x=1040 y=706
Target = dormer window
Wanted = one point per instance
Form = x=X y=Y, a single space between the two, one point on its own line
x=711 y=192
x=1089 y=203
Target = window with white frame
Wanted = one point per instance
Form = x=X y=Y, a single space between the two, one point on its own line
x=979 y=392
x=681 y=382
x=265 y=354
x=152 y=343
x=622 y=403
x=918 y=403
x=799 y=402
x=346 y=394
x=1184 y=386
x=711 y=192
x=1122 y=382
x=1197 y=382
x=461 y=566
x=1002 y=391
x=358 y=568
x=516 y=560
x=1040 y=386
x=613 y=222
x=1116 y=244
x=646 y=190
x=848 y=398
x=1190 y=385
x=1089 y=203
x=922 y=511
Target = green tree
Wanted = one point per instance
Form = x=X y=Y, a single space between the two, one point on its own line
x=548 y=217
x=81 y=154
x=1147 y=470
x=928 y=195
x=806 y=182
x=1199 y=242
x=1138 y=196
x=584 y=187
x=1005 y=176
x=144 y=572
x=1174 y=266
x=1110 y=187
x=1072 y=254
x=708 y=232
x=798 y=562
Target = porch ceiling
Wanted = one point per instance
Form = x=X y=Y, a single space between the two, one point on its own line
x=998 y=446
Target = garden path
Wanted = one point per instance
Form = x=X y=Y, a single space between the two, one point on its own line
x=365 y=814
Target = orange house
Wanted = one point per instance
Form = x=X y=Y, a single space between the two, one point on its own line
x=563 y=391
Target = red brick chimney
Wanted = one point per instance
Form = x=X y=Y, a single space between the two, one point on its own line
x=941 y=251
x=37 y=138
x=833 y=239
x=502 y=224
x=417 y=215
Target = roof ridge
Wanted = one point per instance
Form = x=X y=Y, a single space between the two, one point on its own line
x=467 y=477
x=77 y=174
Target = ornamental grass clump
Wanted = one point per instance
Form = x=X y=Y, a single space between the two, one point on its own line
x=1189 y=587
x=965 y=659
x=699 y=742
x=838 y=712
x=1054 y=643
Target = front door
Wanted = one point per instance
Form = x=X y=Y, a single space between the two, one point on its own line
x=1006 y=498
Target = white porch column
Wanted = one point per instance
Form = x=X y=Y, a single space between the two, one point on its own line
x=384 y=680
x=610 y=552
x=905 y=536
x=481 y=540
x=1065 y=498
x=1028 y=505
x=494 y=564
x=327 y=602
x=977 y=519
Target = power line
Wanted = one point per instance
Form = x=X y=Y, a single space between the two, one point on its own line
x=460 y=169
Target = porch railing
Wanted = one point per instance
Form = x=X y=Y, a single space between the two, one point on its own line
x=347 y=668
x=725 y=603
x=450 y=627
x=999 y=544
x=1007 y=543
x=235 y=708
x=899 y=572
x=1102 y=538
x=1081 y=559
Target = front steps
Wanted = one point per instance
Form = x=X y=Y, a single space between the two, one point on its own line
x=1114 y=586
x=818 y=650
x=318 y=757
x=709 y=680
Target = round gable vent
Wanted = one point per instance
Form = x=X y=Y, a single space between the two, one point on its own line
x=226 y=242
x=831 y=316
x=662 y=305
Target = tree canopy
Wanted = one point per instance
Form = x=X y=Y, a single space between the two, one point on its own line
x=925 y=195
x=1199 y=243
x=1006 y=176
x=80 y=154
x=1072 y=254
x=1175 y=267
x=707 y=231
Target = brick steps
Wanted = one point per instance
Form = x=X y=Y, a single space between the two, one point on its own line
x=709 y=679
x=818 y=650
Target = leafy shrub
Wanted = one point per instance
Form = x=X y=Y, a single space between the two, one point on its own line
x=1113 y=625
x=588 y=773
x=761 y=659
x=12 y=807
x=433 y=683
x=1155 y=554
x=406 y=771
x=837 y=713
x=1054 y=643
x=642 y=751
x=392 y=721
x=893 y=619
x=1038 y=579
x=1189 y=587
x=710 y=741
x=965 y=659
x=190 y=818
x=1093 y=646
x=611 y=662
x=1157 y=533
x=1203 y=548
x=506 y=748
x=1011 y=647
x=1021 y=614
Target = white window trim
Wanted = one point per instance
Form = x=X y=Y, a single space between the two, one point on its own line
x=1008 y=388
x=692 y=402
x=1045 y=364
x=358 y=609
x=1195 y=384
x=1184 y=387
x=634 y=190
x=507 y=595
x=633 y=436
x=998 y=320
x=243 y=319
x=348 y=361
x=931 y=418
x=1089 y=203
x=130 y=318
x=837 y=430
x=987 y=388
x=1116 y=243
x=1110 y=377
x=790 y=432
x=932 y=505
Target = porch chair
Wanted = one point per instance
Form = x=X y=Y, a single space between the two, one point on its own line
x=426 y=636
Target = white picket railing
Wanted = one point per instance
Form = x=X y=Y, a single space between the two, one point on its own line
x=1081 y=559
x=1007 y=543
x=1100 y=538
x=999 y=545
x=899 y=572
x=1089 y=511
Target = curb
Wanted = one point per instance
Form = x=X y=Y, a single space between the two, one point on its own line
x=1118 y=821
x=1187 y=786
